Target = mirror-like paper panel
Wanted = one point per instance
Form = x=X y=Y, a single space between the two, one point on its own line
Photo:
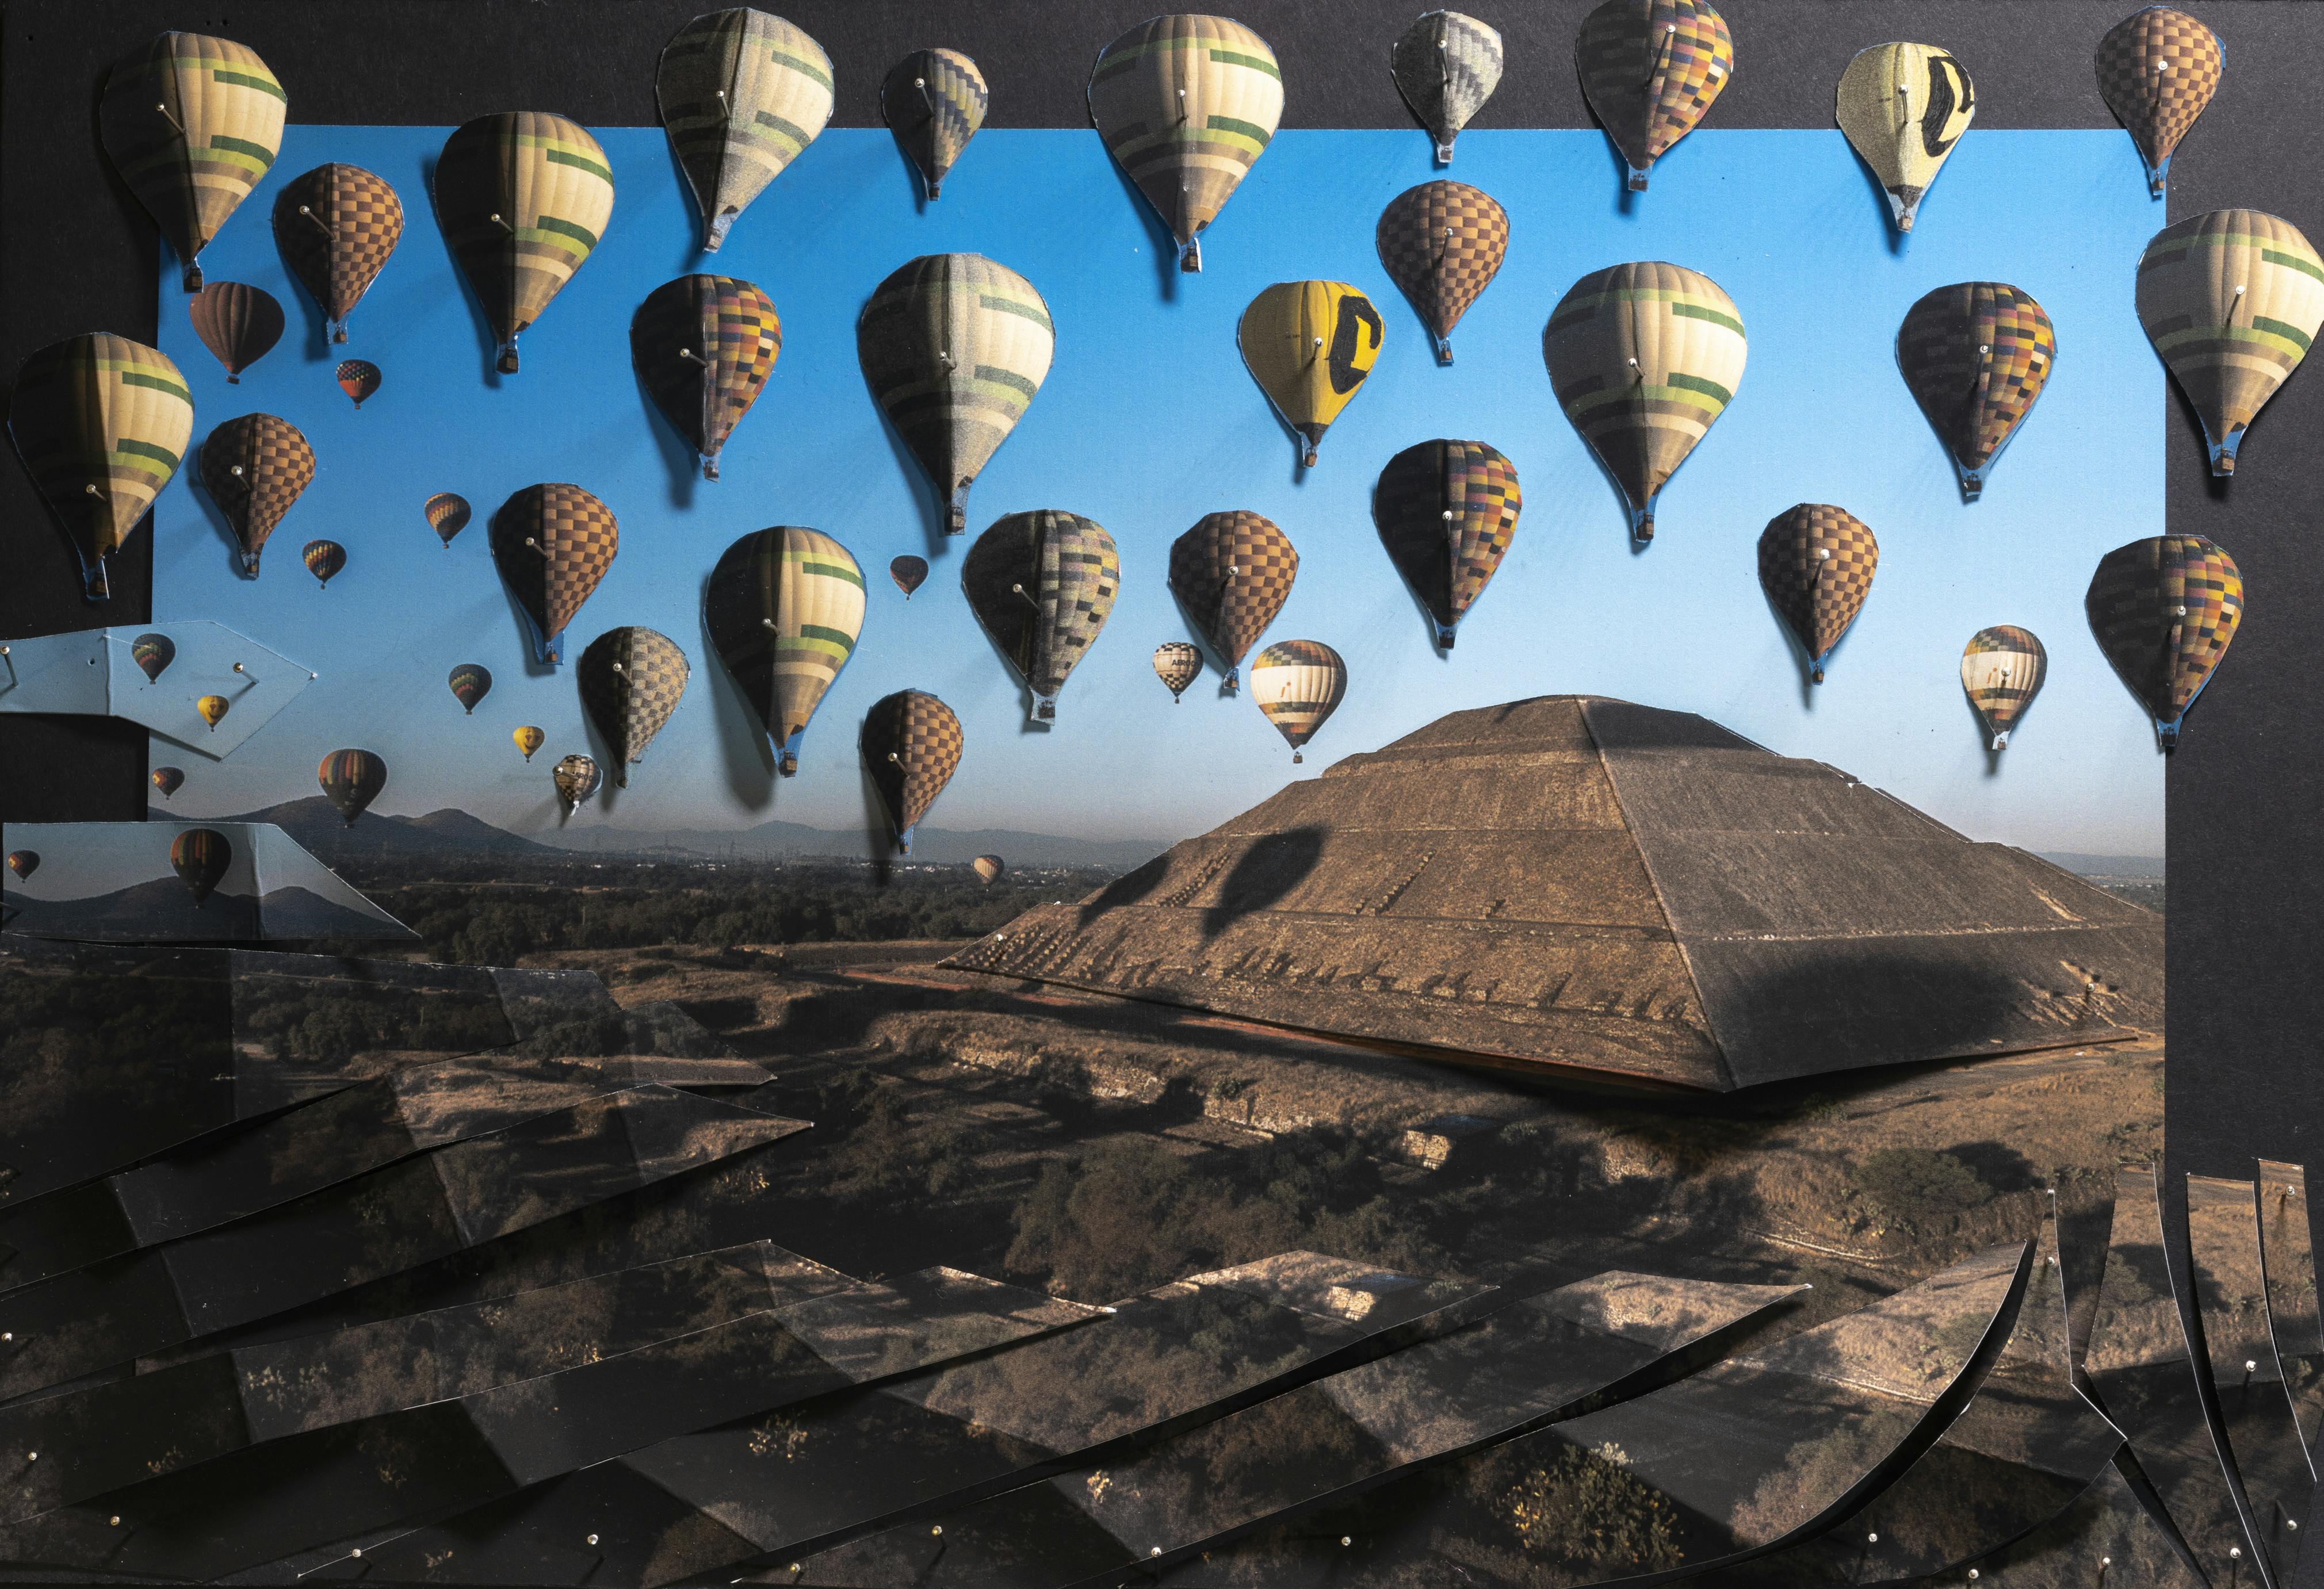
x=2287 y=1246
x=172 y=1418
x=2137 y=1365
x=1520 y=1365
x=423 y=1209
x=2230 y=1284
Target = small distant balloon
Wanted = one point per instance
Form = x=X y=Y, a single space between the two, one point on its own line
x=987 y=866
x=352 y=780
x=447 y=515
x=1298 y=684
x=471 y=681
x=154 y=653
x=1178 y=664
x=168 y=780
x=324 y=559
x=528 y=740
x=213 y=708
x=2002 y=669
x=576 y=778
x=237 y=322
x=200 y=856
x=25 y=862
x=910 y=572
x=358 y=378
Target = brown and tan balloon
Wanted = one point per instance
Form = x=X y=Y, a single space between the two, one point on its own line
x=1650 y=69
x=1443 y=243
x=910 y=743
x=336 y=227
x=254 y=467
x=2158 y=69
x=1816 y=563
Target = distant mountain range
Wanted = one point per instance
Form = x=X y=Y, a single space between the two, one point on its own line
x=163 y=910
x=2106 y=865
x=316 y=826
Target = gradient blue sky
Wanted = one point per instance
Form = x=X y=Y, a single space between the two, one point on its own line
x=1149 y=421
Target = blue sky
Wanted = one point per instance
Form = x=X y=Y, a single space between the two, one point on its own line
x=1149 y=421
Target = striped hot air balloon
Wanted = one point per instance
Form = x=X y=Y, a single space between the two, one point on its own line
x=2157 y=70
x=324 y=559
x=2002 y=669
x=447 y=515
x=1186 y=105
x=1232 y=573
x=1816 y=564
x=552 y=543
x=336 y=227
x=2232 y=301
x=703 y=346
x=528 y=739
x=237 y=322
x=1042 y=583
x=1644 y=358
x=784 y=608
x=954 y=348
x=255 y=466
x=1650 y=69
x=1309 y=344
x=1446 y=65
x=1442 y=244
x=1177 y=665
x=524 y=197
x=168 y=780
x=1447 y=511
x=351 y=781
x=102 y=423
x=192 y=123
x=742 y=94
x=470 y=682
x=201 y=857
x=1976 y=355
x=934 y=101
x=1298 y=684
x=2164 y=610
x=630 y=680
x=911 y=744
x=152 y=653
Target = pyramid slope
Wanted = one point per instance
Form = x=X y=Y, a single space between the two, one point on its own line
x=1574 y=882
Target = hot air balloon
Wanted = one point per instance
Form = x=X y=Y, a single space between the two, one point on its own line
x=1309 y=344
x=954 y=348
x=1643 y=358
x=213 y=710
x=471 y=681
x=25 y=862
x=254 y=467
x=1042 y=583
x=447 y=515
x=1442 y=244
x=154 y=653
x=168 y=780
x=742 y=95
x=1976 y=355
x=2163 y=612
x=910 y=572
x=1904 y=107
x=358 y=378
x=1447 y=511
x=191 y=124
x=1177 y=665
x=323 y=559
x=784 y=608
x=336 y=227
x=351 y=780
x=1650 y=69
x=1233 y=572
x=522 y=197
x=528 y=740
x=1186 y=105
x=2158 y=69
x=1446 y=65
x=200 y=857
x=988 y=868
x=631 y=679
x=1298 y=684
x=2231 y=300
x=576 y=778
x=101 y=423
x=1816 y=564
x=934 y=100
x=910 y=743
x=236 y=322
x=703 y=346
x=2002 y=669
x=552 y=543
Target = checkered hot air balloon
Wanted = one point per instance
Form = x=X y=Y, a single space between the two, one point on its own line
x=524 y=198
x=1446 y=65
x=1975 y=356
x=2002 y=669
x=1232 y=573
x=1904 y=108
x=1447 y=511
x=192 y=123
x=1042 y=583
x=934 y=100
x=911 y=744
x=552 y=543
x=2164 y=610
x=1816 y=564
x=1298 y=684
x=742 y=93
x=237 y=322
x=336 y=227
x=576 y=778
x=255 y=466
x=1650 y=69
x=630 y=680
x=703 y=347
x=2157 y=70
x=1442 y=244
x=351 y=780
x=1177 y=665
x=784 y=608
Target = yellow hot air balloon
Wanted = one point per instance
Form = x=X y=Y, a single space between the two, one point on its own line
x=1643 y=358
x=784 y=608
x=2001 y=668
x=1904 y=107
x=101 y=423
x=742 y=94
x=524 y=197
x=1186 y=105
x=1298 y=684
x=2231 y=300
x=213 y=708
x=1309 y=344
x=528 y=740
x=192 y=123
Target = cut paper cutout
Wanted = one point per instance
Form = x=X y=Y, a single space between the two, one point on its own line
x=1232 y=573
x=1975 y=356
x=1446 y=65
x=703 y=347
x=256 y=467
x=336 y=227
x=934 y=100
x=1902 y=107
x=2164 y=611
x=1442 y=244
x=1298 y=686
x=1816 y=564
x=630 y=681
x=1650 y=69
x=95 y=673
x=1042 y=584
x=192 y=123
x=2002 y=669
x=552 y=543
x=524 y=198
x=1309 y=344
x=784 y=608
x=2157 y=70
x=237 y=322
x=1177 y=665
x=1447 y=511
x=910 y=743
x=2293 y=1322
x=742 y=95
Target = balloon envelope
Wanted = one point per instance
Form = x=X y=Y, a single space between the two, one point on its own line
x=576 y=778
x=630 y=680
x=237 y=322
x=1231 y=573
x=471 y=681
x=910 y=743
x=934 y=100
x=358 y=378
x=447 y=514
x=552 y=543
x=336 y=227
x=1975 y=356
x=2157 y=70
x=192 y=123
x=1309 y=344
x=255 y=466
x=703 y=346
x=1816 y=563
x=213 y=708
x=528 y=740
x=1042 y=583
x=1442 y=244
x=989 y=867
x=1446 y=65
x=168 y=780
x=1902 y=107
x=2002 y=669
x=1177 y=665
x=524 y=198
x=323 y=559
x=200 y=857
x=784 y=608
x=25 y=862
x=1650 y=69
x=1298 y=684
x=152 y=654
x=1447 y=511
x=910 y=572
x=351 y=780
x=742 y=94
x=2163 y=612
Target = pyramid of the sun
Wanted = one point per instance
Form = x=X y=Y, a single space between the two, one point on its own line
x=1578 y=882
